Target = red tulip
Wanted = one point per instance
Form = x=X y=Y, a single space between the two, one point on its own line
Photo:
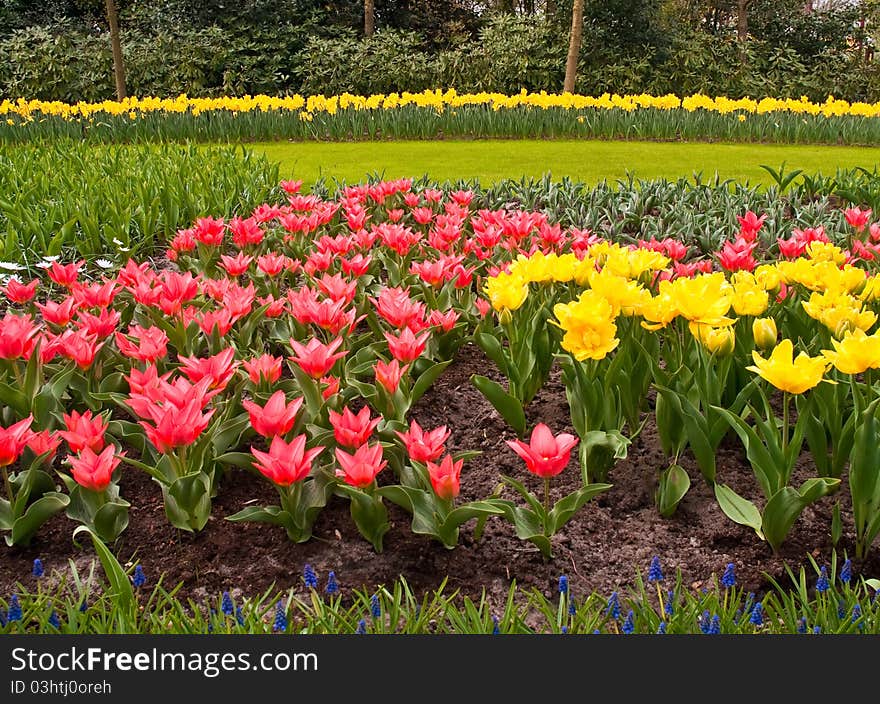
x=272 y=263
x=736 y=256
x=545 y=455
x=44 y=441
x=247 y=231
x=13 y=440
x=17 y=334
x=209 y=231
x=857 y=218
x=17 y=292
x=176 y=426
x=315 y=358
x=286 y=462
x=93 y=471
x=750 y=224
x=58 y=313
x=389 y=374
x=237 y=265
x=397 y=308
x=331 y=386
x=361 y=468
x=65 y=274
x=101 y=325
x=337 y=288
x=276 y=417
x=79 y=346
x=407 y=347
x=352 y=430
x=219 y=368
x=422 y=446
x=445 y=477
x=83 y=431
x=97 y=295
x=264 y=368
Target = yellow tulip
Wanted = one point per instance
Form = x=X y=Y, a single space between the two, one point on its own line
x=765 y=333
x=718 y=340
x=705 y=298
x=589 y=326
x=855 y=353
x=794 y=376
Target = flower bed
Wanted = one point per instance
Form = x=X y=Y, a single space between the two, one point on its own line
x=291 y=373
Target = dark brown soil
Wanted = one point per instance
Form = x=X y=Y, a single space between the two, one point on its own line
x=600 y=549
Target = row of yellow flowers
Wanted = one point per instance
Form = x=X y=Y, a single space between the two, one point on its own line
x=438 y=100
x=836 y=296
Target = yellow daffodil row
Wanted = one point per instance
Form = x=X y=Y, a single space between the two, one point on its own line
x=616 y=279
x=438 y=100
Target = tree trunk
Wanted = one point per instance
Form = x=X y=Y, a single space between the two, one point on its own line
x=550 y=8
x=574 y=45
x=742 y=19
x=116 y=46
x=369 y=17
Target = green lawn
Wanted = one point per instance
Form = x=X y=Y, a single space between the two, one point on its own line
x=588 y=161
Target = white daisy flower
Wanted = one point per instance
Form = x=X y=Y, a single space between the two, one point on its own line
x=11 y=266
x=104 y=263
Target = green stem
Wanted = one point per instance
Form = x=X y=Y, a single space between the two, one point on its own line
x=546 y=505
x=8 y=485
x=785 y=400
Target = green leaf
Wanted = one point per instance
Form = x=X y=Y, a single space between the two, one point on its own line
x=506 y=405
x=237 y=459
x=25 y=527
x=738 y=509
x=369 y=514
x=188 y=501
x=764 y=464
x=696 y=428
x=599 y=452
x=491 y=345
x=426 y=379
x=784 y=507
x=674 y=484
x=527 y=525
x=122 y=592
x=566 y=507
x=111 y=519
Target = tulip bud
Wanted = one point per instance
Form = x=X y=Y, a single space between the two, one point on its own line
x=505 y=317
x=717 y=340
x=764 y=331
x=721 y=341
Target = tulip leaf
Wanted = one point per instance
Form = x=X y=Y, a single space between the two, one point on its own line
x=784 y=507
x=566 y=507
x=426 y=378
x=237 y=459
x=25 y=526
x=527 y=525
x=188 y=501
x=530 y=498
x=110 y=520
x=507 y=406
x=763 y=463
x=674 y=484
x=122 y=592
x=738 y=509
x=368 y=513
x=491 y=345
x=696 y=428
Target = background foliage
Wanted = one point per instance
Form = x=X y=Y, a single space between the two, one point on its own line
x=59 y=49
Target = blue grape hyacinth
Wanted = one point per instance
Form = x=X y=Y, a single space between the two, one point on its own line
x=332 y=585
x=655 y=573
x=38 y=570
x=822 y=584
x=728 y=579
x=309 y=577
